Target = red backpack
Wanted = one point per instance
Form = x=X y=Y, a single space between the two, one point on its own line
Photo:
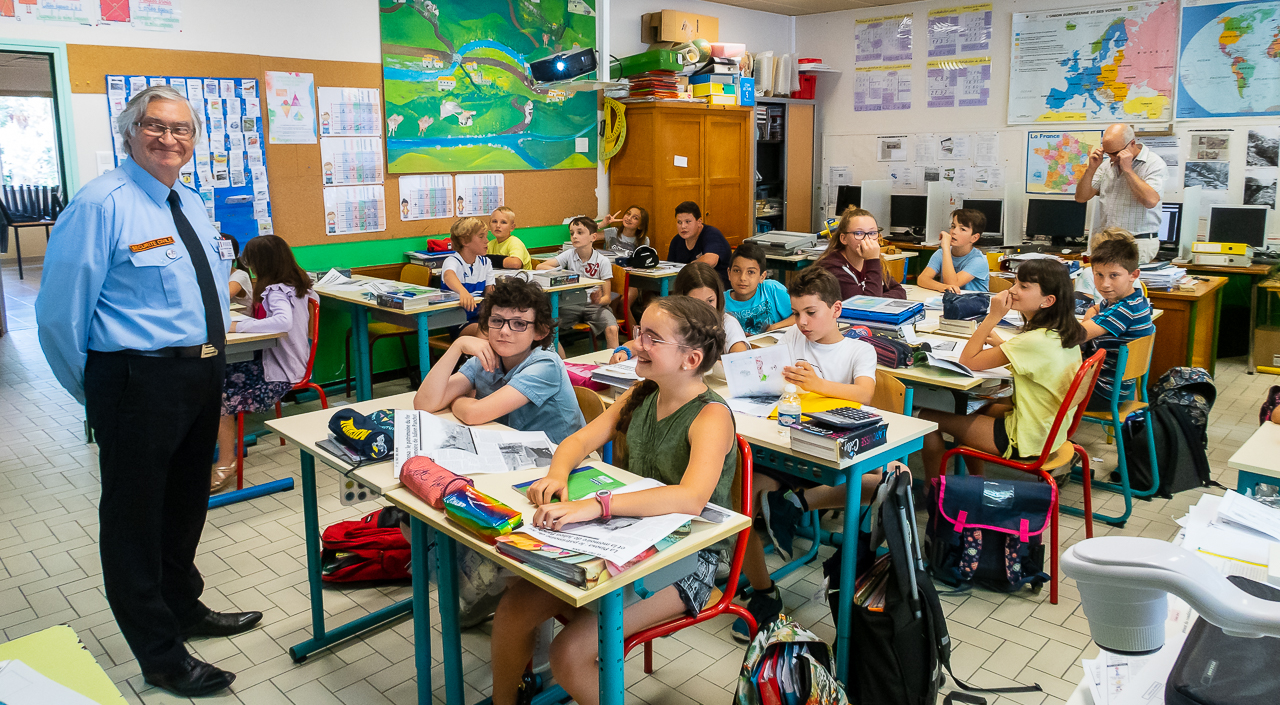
x=369 y=549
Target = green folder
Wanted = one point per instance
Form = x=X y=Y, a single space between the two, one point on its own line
x=583 y=482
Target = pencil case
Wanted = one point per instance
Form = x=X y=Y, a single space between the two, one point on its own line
x=481 y=514
x=430 y=482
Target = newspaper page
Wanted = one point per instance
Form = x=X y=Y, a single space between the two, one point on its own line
x=465 y=450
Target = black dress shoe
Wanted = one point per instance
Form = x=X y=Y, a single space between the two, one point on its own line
x=223 y=624
x=191 y=679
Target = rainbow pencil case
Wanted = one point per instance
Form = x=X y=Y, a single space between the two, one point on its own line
x=481 y=514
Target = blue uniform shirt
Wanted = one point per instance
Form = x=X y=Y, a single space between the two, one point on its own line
x=111 y=279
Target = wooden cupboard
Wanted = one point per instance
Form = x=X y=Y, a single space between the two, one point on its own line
x=678 y=152
x=784 y=164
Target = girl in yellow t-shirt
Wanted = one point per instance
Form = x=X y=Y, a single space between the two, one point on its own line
x=1044 y=359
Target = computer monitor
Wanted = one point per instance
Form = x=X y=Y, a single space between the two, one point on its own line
x=847 y=196
x=1170 y=224
x=908 y=212
x=1059 y=220
x=992 y=208
x=1246 y=224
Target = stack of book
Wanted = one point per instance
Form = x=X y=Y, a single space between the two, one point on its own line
x=874 y=309
x=836 y=444
x=1160 y=275
x=655 y=85
x=411 y=298
x=715 y=88
x=622 y=375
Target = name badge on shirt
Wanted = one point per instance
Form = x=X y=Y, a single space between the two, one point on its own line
x=151 y=244
x=224 y=249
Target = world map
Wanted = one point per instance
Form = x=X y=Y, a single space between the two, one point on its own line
x=1103 y=64
x=1057 y=160
x=1230 y=63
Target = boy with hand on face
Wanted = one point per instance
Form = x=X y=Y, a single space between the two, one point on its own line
x=758 y=303
x=958 y=265
x=1123 y=316
x=591 y=263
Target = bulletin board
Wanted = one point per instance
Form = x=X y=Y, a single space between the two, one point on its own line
x=227 y=168
x=297 y=204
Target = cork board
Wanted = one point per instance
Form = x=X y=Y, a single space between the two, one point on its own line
x=297 y=196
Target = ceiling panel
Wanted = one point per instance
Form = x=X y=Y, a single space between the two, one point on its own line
x=807 y=7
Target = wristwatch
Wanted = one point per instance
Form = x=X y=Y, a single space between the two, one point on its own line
x=605 y=498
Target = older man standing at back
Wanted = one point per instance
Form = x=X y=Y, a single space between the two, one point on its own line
x=1128 y=189
x=133 y=313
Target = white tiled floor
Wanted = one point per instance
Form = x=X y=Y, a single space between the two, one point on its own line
x=252 y=557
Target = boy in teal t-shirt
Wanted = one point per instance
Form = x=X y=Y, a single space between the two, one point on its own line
x=759 y=304
x=957 y=265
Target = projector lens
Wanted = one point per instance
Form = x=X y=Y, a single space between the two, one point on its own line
x=559 y=65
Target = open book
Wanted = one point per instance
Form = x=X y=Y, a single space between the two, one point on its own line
x=466 y=450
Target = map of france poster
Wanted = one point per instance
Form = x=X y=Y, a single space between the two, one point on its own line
x=1057 y=160
x=1230 y=61
x=1110 y=63
x=457 y=92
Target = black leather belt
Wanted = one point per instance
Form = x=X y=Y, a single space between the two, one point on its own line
x=1144 y=236
x=205 y=350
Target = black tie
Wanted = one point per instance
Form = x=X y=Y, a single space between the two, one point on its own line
x=204 y=275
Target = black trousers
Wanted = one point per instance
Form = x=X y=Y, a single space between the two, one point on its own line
x=156 y=424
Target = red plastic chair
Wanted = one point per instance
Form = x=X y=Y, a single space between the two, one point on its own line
x=1077 y=398
x=725 y=603
x=313 y=331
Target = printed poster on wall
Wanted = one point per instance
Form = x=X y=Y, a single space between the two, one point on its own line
x=354 y=209
x=882 y=87
x=1057 y=160
x=289 y=99
x=1230 y=59
x=883 y=39
x=426 y=196
x=156 y=15
x=959 y=30
x=479 y=194
x=349 y=112
x=959 y=83
x=1105 y=64
x=65 y=11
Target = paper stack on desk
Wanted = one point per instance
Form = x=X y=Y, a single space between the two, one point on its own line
x=621 y=375
x=1160 y=275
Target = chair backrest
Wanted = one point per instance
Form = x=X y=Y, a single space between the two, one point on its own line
x=1137 y=354
x=589 y=402
x=999 y=284
x=894 y=268
x=742 y=492
x=1076 y=400
x=313 y=332
x=891 y=393
x=415 y=274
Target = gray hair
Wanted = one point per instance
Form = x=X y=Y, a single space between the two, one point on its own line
x=1128 y=134
x=136 y=109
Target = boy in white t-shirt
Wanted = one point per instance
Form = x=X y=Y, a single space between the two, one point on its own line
x=826 y=363
x=591 y=263
x=467 y=271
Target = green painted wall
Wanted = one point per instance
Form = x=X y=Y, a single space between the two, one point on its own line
x=335 y=320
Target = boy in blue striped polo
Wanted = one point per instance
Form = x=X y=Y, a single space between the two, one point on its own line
x=1124 y=314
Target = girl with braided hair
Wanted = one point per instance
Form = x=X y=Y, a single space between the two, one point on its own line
x=679 y=432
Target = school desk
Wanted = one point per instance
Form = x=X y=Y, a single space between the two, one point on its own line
x=658 y=280
x=791 y=264
x=423 y=319
x=1187 y=332
x=606 y=597
x=305 y=430
x=1258 y=460
x=1256 y=274
x=241 y=347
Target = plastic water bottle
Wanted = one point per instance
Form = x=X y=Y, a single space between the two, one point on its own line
x=789 y=406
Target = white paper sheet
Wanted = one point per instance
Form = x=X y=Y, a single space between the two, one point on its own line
x=756 y=373
x=619 y=539
x=1246 y=511
x=21 y=684
x=466 y=450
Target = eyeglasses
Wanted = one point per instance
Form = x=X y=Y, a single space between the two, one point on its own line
x=181 y=131
x=646 y=340
x=517 y=325
x=1112 y=154
x=864 y=234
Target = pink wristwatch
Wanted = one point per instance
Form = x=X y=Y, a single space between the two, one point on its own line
x=605 y=498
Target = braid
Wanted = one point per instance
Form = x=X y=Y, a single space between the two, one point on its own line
x=639 y=393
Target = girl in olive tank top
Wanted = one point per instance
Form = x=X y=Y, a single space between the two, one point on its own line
x=679 y=432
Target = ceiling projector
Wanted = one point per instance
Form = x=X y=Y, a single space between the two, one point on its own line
x=563 y=66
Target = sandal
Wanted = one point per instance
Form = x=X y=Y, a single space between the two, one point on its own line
x=222 y=476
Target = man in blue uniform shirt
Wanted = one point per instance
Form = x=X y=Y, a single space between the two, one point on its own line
x=133 y=314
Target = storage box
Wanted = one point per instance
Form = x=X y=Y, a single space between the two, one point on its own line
x=746 y=91
x=705 y=89
x=720 y=99
x=712 y=78
x=675 y=26
x=655 y=60
x=808 y=87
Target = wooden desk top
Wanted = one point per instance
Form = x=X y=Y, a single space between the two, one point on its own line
x=499 y=486
x=1254 y=270
x=1261 y=453
x=234 y=338
x=357 y=297
x=1201 y=289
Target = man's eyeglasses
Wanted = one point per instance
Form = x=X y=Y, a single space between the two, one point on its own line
x=646 y=340
x=517 y=325
x=180 y=131
x=864 y=234
x=1112 y=154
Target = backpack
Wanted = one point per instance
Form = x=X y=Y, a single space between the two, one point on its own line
x=903 y=644
x=989 y=532
x=1179 y=413
x=787 y=663
x=891 y=351
x=372 y=548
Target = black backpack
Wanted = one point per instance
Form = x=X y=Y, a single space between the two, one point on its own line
x=903 y=647
x=1179 y=413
